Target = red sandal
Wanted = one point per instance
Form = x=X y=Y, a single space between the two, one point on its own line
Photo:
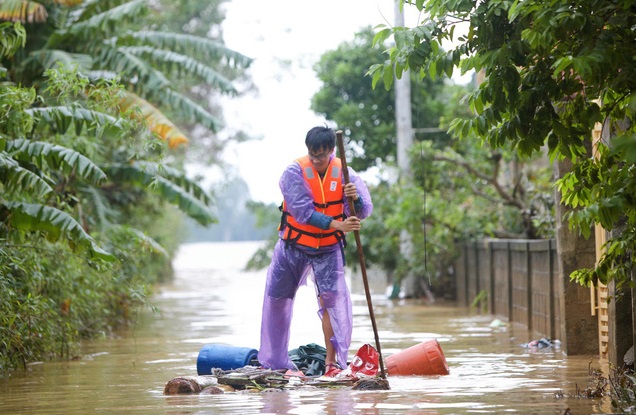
x=332 y=370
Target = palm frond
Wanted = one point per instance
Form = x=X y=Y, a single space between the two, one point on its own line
x=98 y=205
x=129 y=66
x=29 y=217
x=22 y=11
x=144 y=240
x=56 y=157
x=108 y=20
x=61 y=118
x=178 y=177
x=12 y=37
x=203 y=48
x=49 y=58
x=89 y=8
x=189 y=110
x=68 y=3
x=171 y=192
x=156 y=121
x=14 y=178
x=181 y=63
x=97 y=75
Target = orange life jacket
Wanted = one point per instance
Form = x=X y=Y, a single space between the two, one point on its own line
x=328 y=199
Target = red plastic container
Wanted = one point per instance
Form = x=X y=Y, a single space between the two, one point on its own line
x=426 y=358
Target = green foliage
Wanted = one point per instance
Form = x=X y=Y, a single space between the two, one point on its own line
x=46 y=155
x=458 y=190
x=480 y=302
x=365 y=114
x=59 y=202
x=51 y=298
x=500 y=194
x=90 y=212
x=528 y=67
x=12 y=38
x=117 y=40
x=61 y=118
x=26 y=321
x=603 y=190
x=131 y=174
x=26 y=217
x=622 y=390
x=68 y=169
x=194 y=17
x=552 y=71
x=267 y=218
x=379 y=240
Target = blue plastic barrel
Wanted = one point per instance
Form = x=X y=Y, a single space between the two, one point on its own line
x=223 y=357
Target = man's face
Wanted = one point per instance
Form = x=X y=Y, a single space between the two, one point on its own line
x=320 y=159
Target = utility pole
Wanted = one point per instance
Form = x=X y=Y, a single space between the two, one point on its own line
x=403 y=120
x=404 y=135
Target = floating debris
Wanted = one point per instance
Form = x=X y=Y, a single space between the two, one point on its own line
x=253 y=376
x=188 y=384
x=543 y=343
x=372 y=383
x=221 y=381
x=498 y=323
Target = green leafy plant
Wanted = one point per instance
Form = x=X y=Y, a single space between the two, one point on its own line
x=480 y=302
x=74 y=204
x=551 y=72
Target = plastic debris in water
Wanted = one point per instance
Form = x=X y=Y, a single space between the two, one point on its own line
x=542 y=343
x=498 y=323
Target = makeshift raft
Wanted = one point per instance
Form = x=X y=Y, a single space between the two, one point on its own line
x=223 y=369
x=247 y=378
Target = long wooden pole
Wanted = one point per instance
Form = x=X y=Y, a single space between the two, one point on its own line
x=363 y=268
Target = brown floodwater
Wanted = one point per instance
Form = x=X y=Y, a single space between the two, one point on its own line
x=212 y=301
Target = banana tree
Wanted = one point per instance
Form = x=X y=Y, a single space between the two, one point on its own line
x=105 y=40
x=80 y=166
x=49 y=188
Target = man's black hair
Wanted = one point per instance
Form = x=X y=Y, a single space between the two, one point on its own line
x=319 y=138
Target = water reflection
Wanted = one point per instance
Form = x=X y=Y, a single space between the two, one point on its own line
x=212 y=301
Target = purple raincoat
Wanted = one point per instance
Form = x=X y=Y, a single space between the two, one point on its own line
x=289 y=269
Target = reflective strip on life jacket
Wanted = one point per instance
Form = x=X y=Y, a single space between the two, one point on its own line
x=328 y=199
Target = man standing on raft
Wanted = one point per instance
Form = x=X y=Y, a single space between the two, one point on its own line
x=311 y=239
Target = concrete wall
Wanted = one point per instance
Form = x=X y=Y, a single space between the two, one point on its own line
x=523 y=284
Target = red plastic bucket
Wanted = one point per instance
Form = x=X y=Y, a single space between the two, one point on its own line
x=426 y=358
